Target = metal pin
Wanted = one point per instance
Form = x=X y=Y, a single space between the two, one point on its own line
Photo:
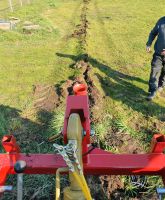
x=20 y=186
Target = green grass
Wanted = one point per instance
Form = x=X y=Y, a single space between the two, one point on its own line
x=121 y=59
x=116 y=38
x=30 y=59
x=122 y=66
x=5 y=7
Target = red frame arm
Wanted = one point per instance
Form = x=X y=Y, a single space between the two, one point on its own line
x=100 y=162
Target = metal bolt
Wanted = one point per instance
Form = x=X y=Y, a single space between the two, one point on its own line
x=92 y=133
x=84 y=132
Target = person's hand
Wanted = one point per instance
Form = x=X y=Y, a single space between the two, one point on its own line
x=148 y=49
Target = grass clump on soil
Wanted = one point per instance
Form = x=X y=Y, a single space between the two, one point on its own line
x=57 y=122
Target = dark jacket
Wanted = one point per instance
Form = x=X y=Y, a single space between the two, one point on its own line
x=159 y=31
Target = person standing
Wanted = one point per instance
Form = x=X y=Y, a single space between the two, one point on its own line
x=157 y=75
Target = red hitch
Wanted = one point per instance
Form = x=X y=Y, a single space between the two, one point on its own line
x=7 y=161
x=10 y=145
x=158 y=143
x=79 y=103
x=80 y=89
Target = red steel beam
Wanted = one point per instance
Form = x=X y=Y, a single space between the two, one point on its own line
x=125 y=164
x=100 y=162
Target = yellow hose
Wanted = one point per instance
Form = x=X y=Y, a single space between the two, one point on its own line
x=85 y=184
x=59 y=170
x=82 y=182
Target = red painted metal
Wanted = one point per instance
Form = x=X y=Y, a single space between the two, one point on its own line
x=158 y=143
x=6 y=166
x=158 y=146
x=79 y=104
x=9 y=144
x=100 y=162
x=12 y=149
x=80 y=89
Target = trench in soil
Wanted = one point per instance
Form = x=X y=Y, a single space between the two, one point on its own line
x=48 y=97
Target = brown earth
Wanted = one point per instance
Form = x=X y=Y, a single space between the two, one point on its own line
x=45 y=97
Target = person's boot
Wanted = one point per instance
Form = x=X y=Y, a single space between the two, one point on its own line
x=151 y=96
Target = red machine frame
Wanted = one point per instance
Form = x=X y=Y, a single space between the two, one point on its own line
x=96 y=162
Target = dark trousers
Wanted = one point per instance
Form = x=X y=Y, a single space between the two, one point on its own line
x=157 y=76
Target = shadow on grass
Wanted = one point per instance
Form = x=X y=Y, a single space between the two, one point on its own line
x=120 y=87
x=30 y=135
x=32 y=138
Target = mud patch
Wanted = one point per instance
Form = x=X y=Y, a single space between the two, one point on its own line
x=66 y=89
x=81 y=29
x=106 y=187
x=86 y=77
x=111 y=184
x=123 y=142
x=45 y=97
x=82 y=64
x=95 y=96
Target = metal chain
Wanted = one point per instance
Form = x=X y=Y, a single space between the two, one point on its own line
x=59 y=149
x=72 y=151
x=69 y=154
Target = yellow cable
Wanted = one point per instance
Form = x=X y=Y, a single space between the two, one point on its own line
x=85 y=184
x=82 y=182
x=59 y=170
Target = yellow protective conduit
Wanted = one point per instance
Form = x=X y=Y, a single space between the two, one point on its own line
x=82 y=183
x=86 y=186
x=80 y=180
x=59 y=170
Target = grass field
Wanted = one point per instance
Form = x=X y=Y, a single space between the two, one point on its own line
x=5 y=6
x=115 y=42
x=121 y=38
